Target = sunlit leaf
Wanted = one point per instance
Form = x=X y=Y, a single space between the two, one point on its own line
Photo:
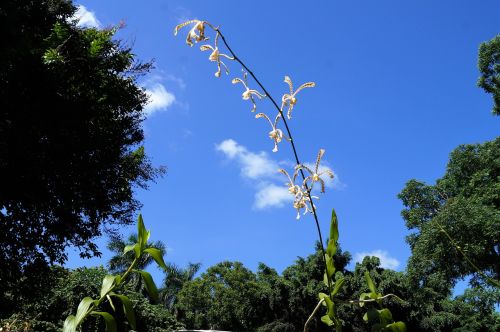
x=331 y=249
x=82 y=310
x=327 y=320
x=338 y=285
x=157 y=256
x=107 y=284
x=70 y=324
x=370 y=283
x=396 y=327
x=334 y=227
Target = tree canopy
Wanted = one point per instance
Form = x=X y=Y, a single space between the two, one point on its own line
x=70 y=134
x=457 y=220
x=489 y=66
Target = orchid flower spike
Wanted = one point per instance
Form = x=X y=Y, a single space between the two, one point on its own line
x=292 y=187
x=197 y=32
x=316 y=175
x=275 y=134
x=216 y=55
x=289 y=99
x=248 y=93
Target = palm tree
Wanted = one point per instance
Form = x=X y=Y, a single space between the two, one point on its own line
x=120 y=262
x=175 y=278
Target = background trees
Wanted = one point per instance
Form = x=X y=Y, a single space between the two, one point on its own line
x=489 y=66
x=70 y=116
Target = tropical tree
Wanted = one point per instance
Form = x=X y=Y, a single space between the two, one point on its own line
x=175 y=278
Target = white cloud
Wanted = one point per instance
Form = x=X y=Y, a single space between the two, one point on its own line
x=271 y=195
x=159 y=99
x=263 y=171
x=86 y=18
x=386 y=261
x=253 y=165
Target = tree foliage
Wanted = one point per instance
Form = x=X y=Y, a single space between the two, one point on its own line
x=70 y=129
x=489 y=66
x=464 y=205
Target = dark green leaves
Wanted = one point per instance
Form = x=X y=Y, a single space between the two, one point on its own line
x=127 y=309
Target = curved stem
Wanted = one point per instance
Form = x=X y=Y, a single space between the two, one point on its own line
x=297 y=160
x=312 y=315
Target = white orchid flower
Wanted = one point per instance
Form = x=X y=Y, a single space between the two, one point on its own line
x=289 y=99
x=216 y=55
x=248 y=93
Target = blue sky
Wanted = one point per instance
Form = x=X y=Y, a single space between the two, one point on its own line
x=395 y=94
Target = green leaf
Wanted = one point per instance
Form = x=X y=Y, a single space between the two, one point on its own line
x=385 y=316
x=330 y=308
x=325 y=279
x=127 y=309
x=370 y=283
x=371 y=316
x=157 y=256
x=364 y=296
x=110 y=321
x=396 y=327
x=322 y=296
x=331 y=249
x=129 y=247
x=338 y=285
x=142 y=234
x=327 y=320
x=150 y=284
x=107 y=284
x=82 y=310
x=330 y=267
x=334 y=227
x=70 y=324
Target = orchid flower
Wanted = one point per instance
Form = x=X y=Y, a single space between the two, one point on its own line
x=215 y=55
x=248 y=93
x=303 y=201
x=197 y=32
x=289 y=99
x=316 y=175
x=276 y=134
x=292 y=187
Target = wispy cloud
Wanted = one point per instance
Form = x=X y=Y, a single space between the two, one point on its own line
x=262 y=171
x=271 y=195
x=159 y=98
x=386 y=261
x=253 y=165
x=86 y=18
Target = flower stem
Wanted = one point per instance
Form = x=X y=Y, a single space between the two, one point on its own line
x=297 y=160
